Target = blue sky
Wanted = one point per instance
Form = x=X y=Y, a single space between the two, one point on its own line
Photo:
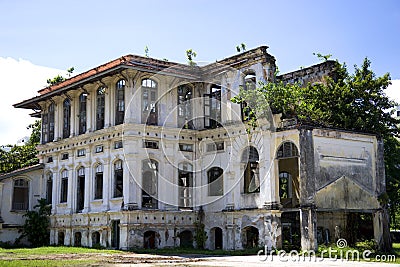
x=84 y=34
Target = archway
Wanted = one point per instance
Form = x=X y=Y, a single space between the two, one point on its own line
x=78 y=239
x=186 y=238
x=95 y=238
x=149 y=239
x=61 y=237
x=216 y=238
x=250 y=237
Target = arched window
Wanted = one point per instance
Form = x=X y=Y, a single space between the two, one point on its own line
x=98 y=182
x=64 y=186
x=185 y=96
x=149 y=183
x=66 y=118
x=118 y=179
x=21 y=195
x=82 y=113
x=285 y=185
x=215 y=182
x=100 y=108
x=287 y=150
x=185 y=182
x=48 y=125
x=212 y=107
x=251 y=172
x=49 y=188
x=120 y=102
x=149 y=102
x=80 y=192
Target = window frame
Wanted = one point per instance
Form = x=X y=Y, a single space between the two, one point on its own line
x=98 y=182
x=20 y=186
x=148 y=102
x=64 y=187
x=184 y=106
x=100 y=107
x=212 y=178
x=66 y=118
x=82 y=113
x=118 y=179
x=120 y=101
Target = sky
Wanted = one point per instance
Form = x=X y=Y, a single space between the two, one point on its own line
x=39 y=39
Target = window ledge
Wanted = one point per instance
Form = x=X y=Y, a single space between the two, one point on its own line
x=97 y=201
x=117 y=199
x=61 y=205
x=18 y=211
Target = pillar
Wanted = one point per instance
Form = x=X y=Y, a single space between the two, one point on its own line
x=381 y=230
x=308 y=228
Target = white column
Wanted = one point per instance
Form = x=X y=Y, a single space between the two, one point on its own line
x=107 y=108
x=88 y=189
x=71 y=193
x=55 y=191
x=72 y=130
x=107 y=185
x=57 y=121
x=89 y=111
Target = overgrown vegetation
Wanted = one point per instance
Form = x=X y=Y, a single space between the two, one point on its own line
x=59 y=78
x=37 y=223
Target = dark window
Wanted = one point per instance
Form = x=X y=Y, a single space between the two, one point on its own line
x=80 y=192
x=99 y=149
x=149 y=102
x=398 y=113
x=21 y=195
x=66 y=118
x=185 y=182
x=64 y=156
x=217 y=146
x=251 y=172
x=118 y=179
x=82 y=113
x=287 y=150
x=215 y=182
x=100 y=108
x=95 y=238
x=120 y=102
x=49 y=188
x=98 y=183
x=118 y=144
x=212 y=107
x=186 y=147
x=81 y=152
x=64 y=186
x=48 y=125
x=50 y=159
x=150 y=144
x=149 y=184
x=185 y=106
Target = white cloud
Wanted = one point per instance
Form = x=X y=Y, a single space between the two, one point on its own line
x=19 y=80
x=393 y=91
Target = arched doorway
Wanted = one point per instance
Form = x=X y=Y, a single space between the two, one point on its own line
x=288 y=164
x=61 y=237
x=149 y=239
x=250 y=237
x=216 y=238
x=186 y=238
x=78 y=239
x=95 y=238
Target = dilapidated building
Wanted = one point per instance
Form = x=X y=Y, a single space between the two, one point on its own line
x=141 y=152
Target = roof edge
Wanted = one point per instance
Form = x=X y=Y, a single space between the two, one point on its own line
x=21 y=171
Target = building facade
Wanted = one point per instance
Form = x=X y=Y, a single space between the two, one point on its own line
x=139 y=152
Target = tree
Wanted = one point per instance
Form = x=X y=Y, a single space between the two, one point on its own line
x=13 y=157
x=36 y=226
x=59 y=78
x=190 y=54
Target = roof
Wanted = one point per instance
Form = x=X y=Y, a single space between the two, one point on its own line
x=21 y=171
x=142 y=64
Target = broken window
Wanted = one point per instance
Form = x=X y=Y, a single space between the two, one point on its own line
x=99 y=149
x=288 y=173
x=118 y=144
x=120 y=102
x=21 y=195
x=185 y=95
x=249 y=83
x=215 y=182
x=80 y=193
x=149 y=184
x=66 y=118
x=215 y=146
x=186 y=147
x=118 y=178
x=100 y=108
x=64 y=156
x=250 y=159
x=48 y=125
x=150 y=144
x=149 y=102
x=49 y=188
x=98 y=182
x=185 y=182
x=64 y=186
x=212 y=107
x=81 y=152
x=82 y=113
